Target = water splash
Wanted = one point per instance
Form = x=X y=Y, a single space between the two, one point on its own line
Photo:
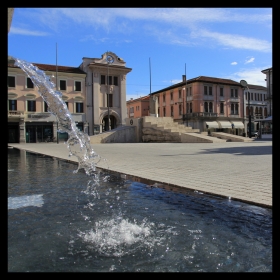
x=117 y=236
x=78 y=143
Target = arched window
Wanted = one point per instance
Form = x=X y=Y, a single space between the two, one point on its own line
x=232 y=109
x=261 y=112
x=265 y=112
x=251 y=110
x=205 y=107
x=236 y=111
x=222 y=108
x=210 y=107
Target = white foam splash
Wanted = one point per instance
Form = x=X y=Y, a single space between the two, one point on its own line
x=24 y=201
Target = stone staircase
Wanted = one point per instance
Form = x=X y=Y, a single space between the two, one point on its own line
x=164 y=129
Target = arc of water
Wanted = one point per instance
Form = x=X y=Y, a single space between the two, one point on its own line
x=79 y=142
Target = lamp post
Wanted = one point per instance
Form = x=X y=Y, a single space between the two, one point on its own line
x=57 y=135
x=244 y=84
x=109 y=60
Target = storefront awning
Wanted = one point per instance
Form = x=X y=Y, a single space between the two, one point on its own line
x=212 y=125
x=238 y=124
x=225 y=124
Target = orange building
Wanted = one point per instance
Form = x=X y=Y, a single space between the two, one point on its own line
x=137 y=108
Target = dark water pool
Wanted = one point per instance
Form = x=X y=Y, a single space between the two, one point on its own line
x=63 y=222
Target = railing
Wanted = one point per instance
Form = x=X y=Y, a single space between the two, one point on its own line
x=12 y=113
x=199 y=115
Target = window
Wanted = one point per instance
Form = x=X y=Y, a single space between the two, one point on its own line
x=252 y=96
x=190 y=91
x=12 y=105
x=236 y=93
x=78 y=86
x=231 y=93
x=222 y=108
x=210 y=107
x=102 y=79
x=190 y=107
x=11 y=81
x=232 y=109
x=29 y=83
x=62 y=85
x=79 y=107
x=180 y=94
x=210 y=90
x=187 y=91
x=221 y=91
x=164 y=112
x=171 y=111
x=31 y=105
x=255 y=96
x=116 y=81
x=45 y=107
x=180 y=109
x=236 y=109
x=205 y=107
x=66 y=102
x=163 y=98
x=171 y=96
x=187 y=107
x=205 y=90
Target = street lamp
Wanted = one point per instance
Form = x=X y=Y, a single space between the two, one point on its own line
x=244 y=84
x=109 y=60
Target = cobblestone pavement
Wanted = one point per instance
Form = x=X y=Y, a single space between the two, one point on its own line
x=242 y=171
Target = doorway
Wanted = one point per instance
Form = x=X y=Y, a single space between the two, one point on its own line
x=113 y=122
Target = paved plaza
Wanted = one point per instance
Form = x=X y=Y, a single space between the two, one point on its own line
x=239 y=170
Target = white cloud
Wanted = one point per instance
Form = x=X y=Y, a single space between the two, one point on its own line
x=234 y=63
x=252 y=76
x=21 y=31
x=249 y=60
x=237 y=41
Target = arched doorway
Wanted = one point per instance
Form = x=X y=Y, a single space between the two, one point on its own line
x=113 y=122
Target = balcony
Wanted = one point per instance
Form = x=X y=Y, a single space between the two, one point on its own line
x=15 y=114
x=208 y=97
x=199 y=115
x=234 y=99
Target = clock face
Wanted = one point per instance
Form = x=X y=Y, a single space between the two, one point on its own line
x=110 y=59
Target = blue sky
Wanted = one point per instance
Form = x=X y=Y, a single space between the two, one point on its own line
x=232 y=43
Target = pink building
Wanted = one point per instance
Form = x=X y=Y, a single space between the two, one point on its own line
x=210 y=103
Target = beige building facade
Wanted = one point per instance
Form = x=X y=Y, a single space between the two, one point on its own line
x=93 y=92
x=105 y=92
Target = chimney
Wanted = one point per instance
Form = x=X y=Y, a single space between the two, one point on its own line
x=184 y=78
